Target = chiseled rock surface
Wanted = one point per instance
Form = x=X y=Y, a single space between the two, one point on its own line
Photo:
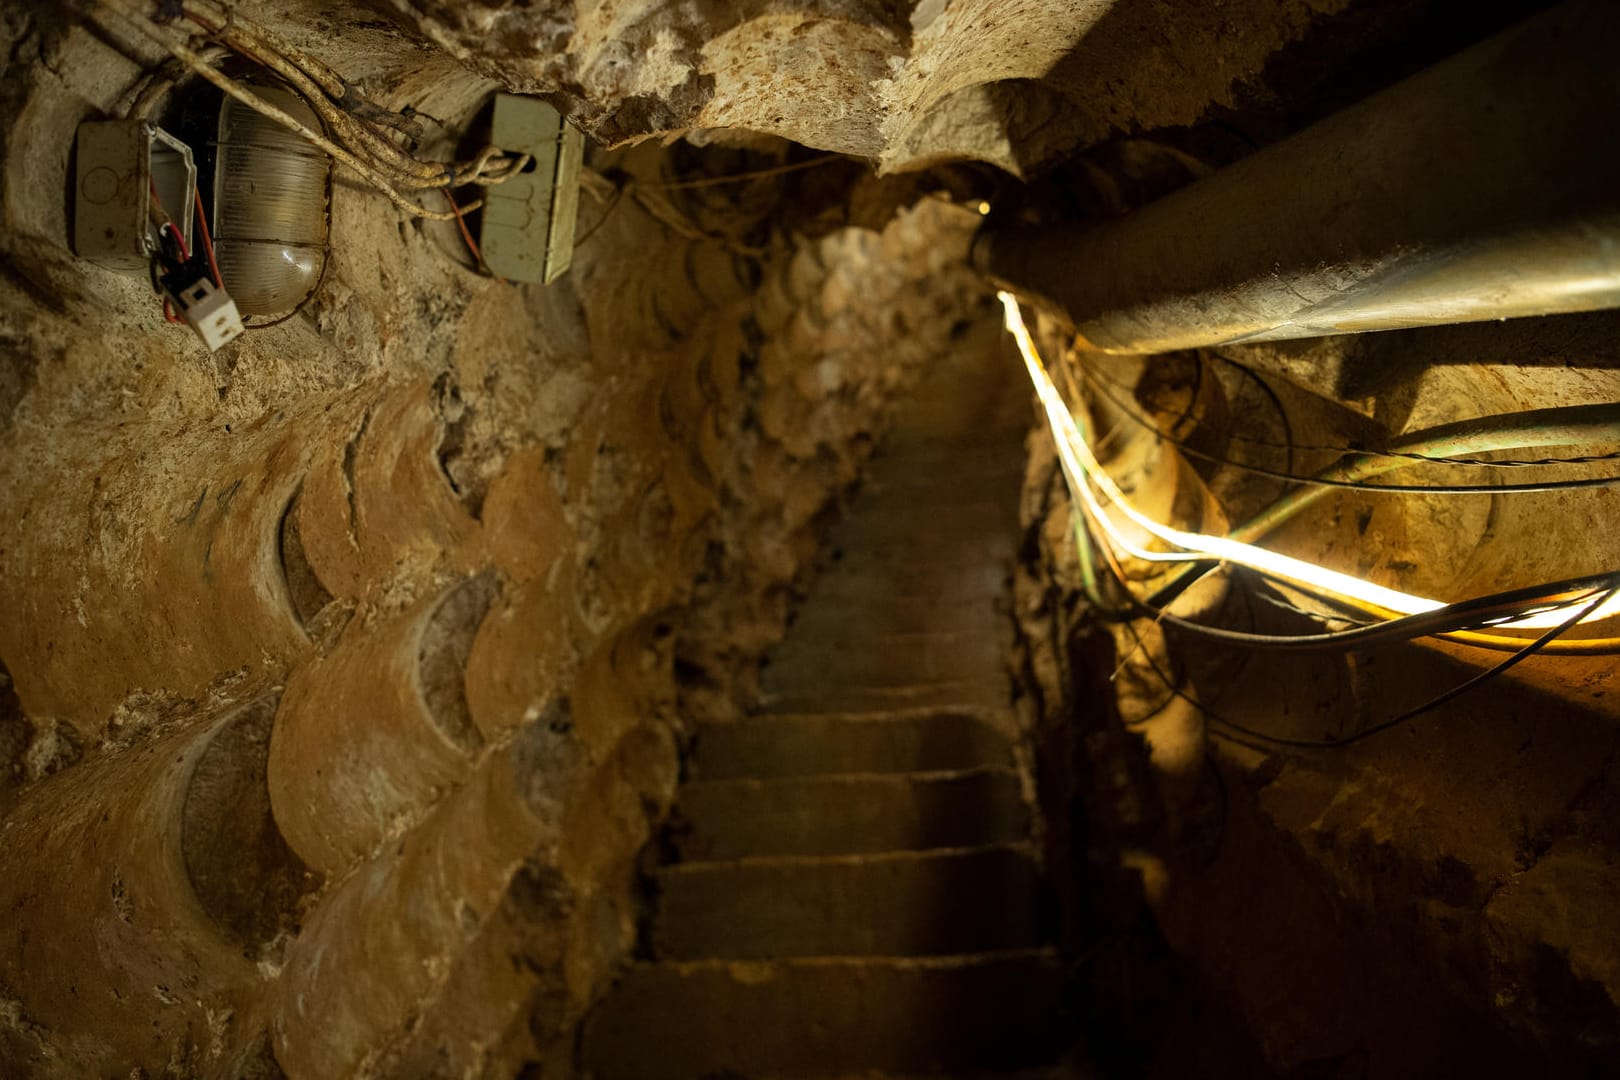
x=359 y=639
x=1010 y=82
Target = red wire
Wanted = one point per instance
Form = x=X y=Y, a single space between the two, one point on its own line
x=478 y=256
x=207 y=241
x=185 y=255
x=180 y=241
x=168 y=309
x=185 y=251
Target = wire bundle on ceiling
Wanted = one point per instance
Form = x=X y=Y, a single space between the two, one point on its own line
x=363 y=136
x=1109 y=525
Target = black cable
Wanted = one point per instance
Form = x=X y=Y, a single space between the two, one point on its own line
x=1294 y=609
x=612 y=205
x=1530 y=463
x=1139 y=721
x=1436 y=459
x=1366 y=733
x=1352 y=485
x=1405 y=455
x=1481 y=612
x=1444 y=620
x=1288 y=443
x=1435 y=702
x=1496 y=644
x=1478 y=613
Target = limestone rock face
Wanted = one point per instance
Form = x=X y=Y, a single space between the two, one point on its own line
x=1009 y=82
x=377 y=633
x=345 y=673
x=1422 y=897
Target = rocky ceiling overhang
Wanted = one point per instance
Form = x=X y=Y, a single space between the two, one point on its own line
x=1014 y=83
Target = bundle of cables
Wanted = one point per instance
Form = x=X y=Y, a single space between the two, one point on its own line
x=188 y=281
x=374 y=142
x=1109 y=525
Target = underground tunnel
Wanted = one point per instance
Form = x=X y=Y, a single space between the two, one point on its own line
x=821 y=539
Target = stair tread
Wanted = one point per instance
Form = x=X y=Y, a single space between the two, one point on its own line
x=854 y=618
x=973 y=576
x=856 y=892
x=885 y=904
x=810 y=672
x=877 y=636
x=955 y=523
x=829 y=1016
x=750 y=969
x=849 y=814
x=924 y=776
x=981 y=691
x=901 y=554
x=1016 y=849
x=850 y=741
x=898 y=714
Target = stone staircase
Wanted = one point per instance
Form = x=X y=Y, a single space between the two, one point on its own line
x=851 y=886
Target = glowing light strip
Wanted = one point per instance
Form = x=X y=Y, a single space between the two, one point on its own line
x=1081 y=465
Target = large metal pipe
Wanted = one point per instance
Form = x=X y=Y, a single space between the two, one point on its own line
x=1486 y=187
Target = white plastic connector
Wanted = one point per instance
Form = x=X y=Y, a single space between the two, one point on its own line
x=209 y=310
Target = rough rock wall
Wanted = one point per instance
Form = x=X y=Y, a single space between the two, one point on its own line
x=1435 y=898
x=221 y=563
x=1013 y=83
x=341 y=666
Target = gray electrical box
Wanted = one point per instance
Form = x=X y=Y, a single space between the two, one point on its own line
x=528 y=224
x=122 y=165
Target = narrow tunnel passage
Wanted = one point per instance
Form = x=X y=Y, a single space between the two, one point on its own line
x=851 y=882
x=507 y=660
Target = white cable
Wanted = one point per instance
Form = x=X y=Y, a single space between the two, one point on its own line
x=1082 y=469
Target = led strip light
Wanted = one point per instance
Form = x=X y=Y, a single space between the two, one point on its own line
x=1083 y=470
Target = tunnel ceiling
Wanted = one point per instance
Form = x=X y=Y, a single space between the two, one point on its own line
x=1014 y=84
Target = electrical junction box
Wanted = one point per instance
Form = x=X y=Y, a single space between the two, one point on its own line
x=121 y=164
x=528 y=222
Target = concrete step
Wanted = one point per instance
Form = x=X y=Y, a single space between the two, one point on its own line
x=946 y=491
x=879 y=585
x=950 y=489
x=981 y=693
x=911 y=903
x=939 y=495
x=970 y=521
x=848 y=815
x=1067 y=1070
x=922 y=553
x=966 y=400
x=885 y=663
x=940 y=555
x=995 y=441
x=915 y=461
x=820 y=745
x=805 y=688
x=863 y=638
x=970 y=615
x=910 y=678
x=851 y=645
x=827 y=1017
